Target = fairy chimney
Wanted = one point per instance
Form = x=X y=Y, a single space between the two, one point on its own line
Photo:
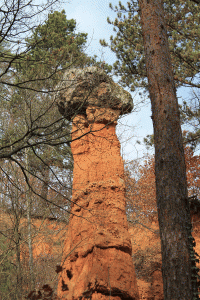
x=97 y=262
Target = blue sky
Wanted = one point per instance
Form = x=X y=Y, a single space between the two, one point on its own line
x=91 y=17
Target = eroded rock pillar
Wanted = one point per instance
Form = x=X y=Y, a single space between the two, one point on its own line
x=97 y=262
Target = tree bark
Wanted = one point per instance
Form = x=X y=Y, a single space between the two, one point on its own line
x=29 y=233
x=170 y=170
x=44 y=191
x=18 y=259
x=31 y=274
x=196 y=1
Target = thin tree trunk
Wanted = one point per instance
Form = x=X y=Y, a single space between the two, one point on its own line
x=28 y=203
x=171 y=184
x=17 y=236
x=44 y=191
x=31 y=274
x=18 y=259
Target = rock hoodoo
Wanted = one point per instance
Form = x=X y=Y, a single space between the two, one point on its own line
x=97 y=262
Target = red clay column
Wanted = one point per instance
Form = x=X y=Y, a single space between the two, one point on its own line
x=97 y=262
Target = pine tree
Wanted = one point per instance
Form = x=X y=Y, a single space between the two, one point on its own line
x=143 y=52
x=179 y=281
x=183 y=30
x=190 y=117
x=54 y=47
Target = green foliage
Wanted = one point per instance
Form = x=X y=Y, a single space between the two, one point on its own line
x=190 y=116
x=182 y=20
x=52 y=47
x=7 y=268
x=30 y=119
x=31 y=116
x=149 y=140
x=56 y=39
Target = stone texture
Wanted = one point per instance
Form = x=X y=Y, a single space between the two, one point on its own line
x=91 y=86
x=157 y=285
x=53 y=233
x=97 y=262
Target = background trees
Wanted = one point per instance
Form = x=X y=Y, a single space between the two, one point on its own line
x=190 y=118
x=36 y=161
x=182 y=25
x=141 y=187
x=28 y=135
x=18 y=19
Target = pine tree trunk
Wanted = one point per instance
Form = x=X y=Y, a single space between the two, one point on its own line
x=171 y=184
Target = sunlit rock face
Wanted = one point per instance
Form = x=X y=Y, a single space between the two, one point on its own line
x=97 y=261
